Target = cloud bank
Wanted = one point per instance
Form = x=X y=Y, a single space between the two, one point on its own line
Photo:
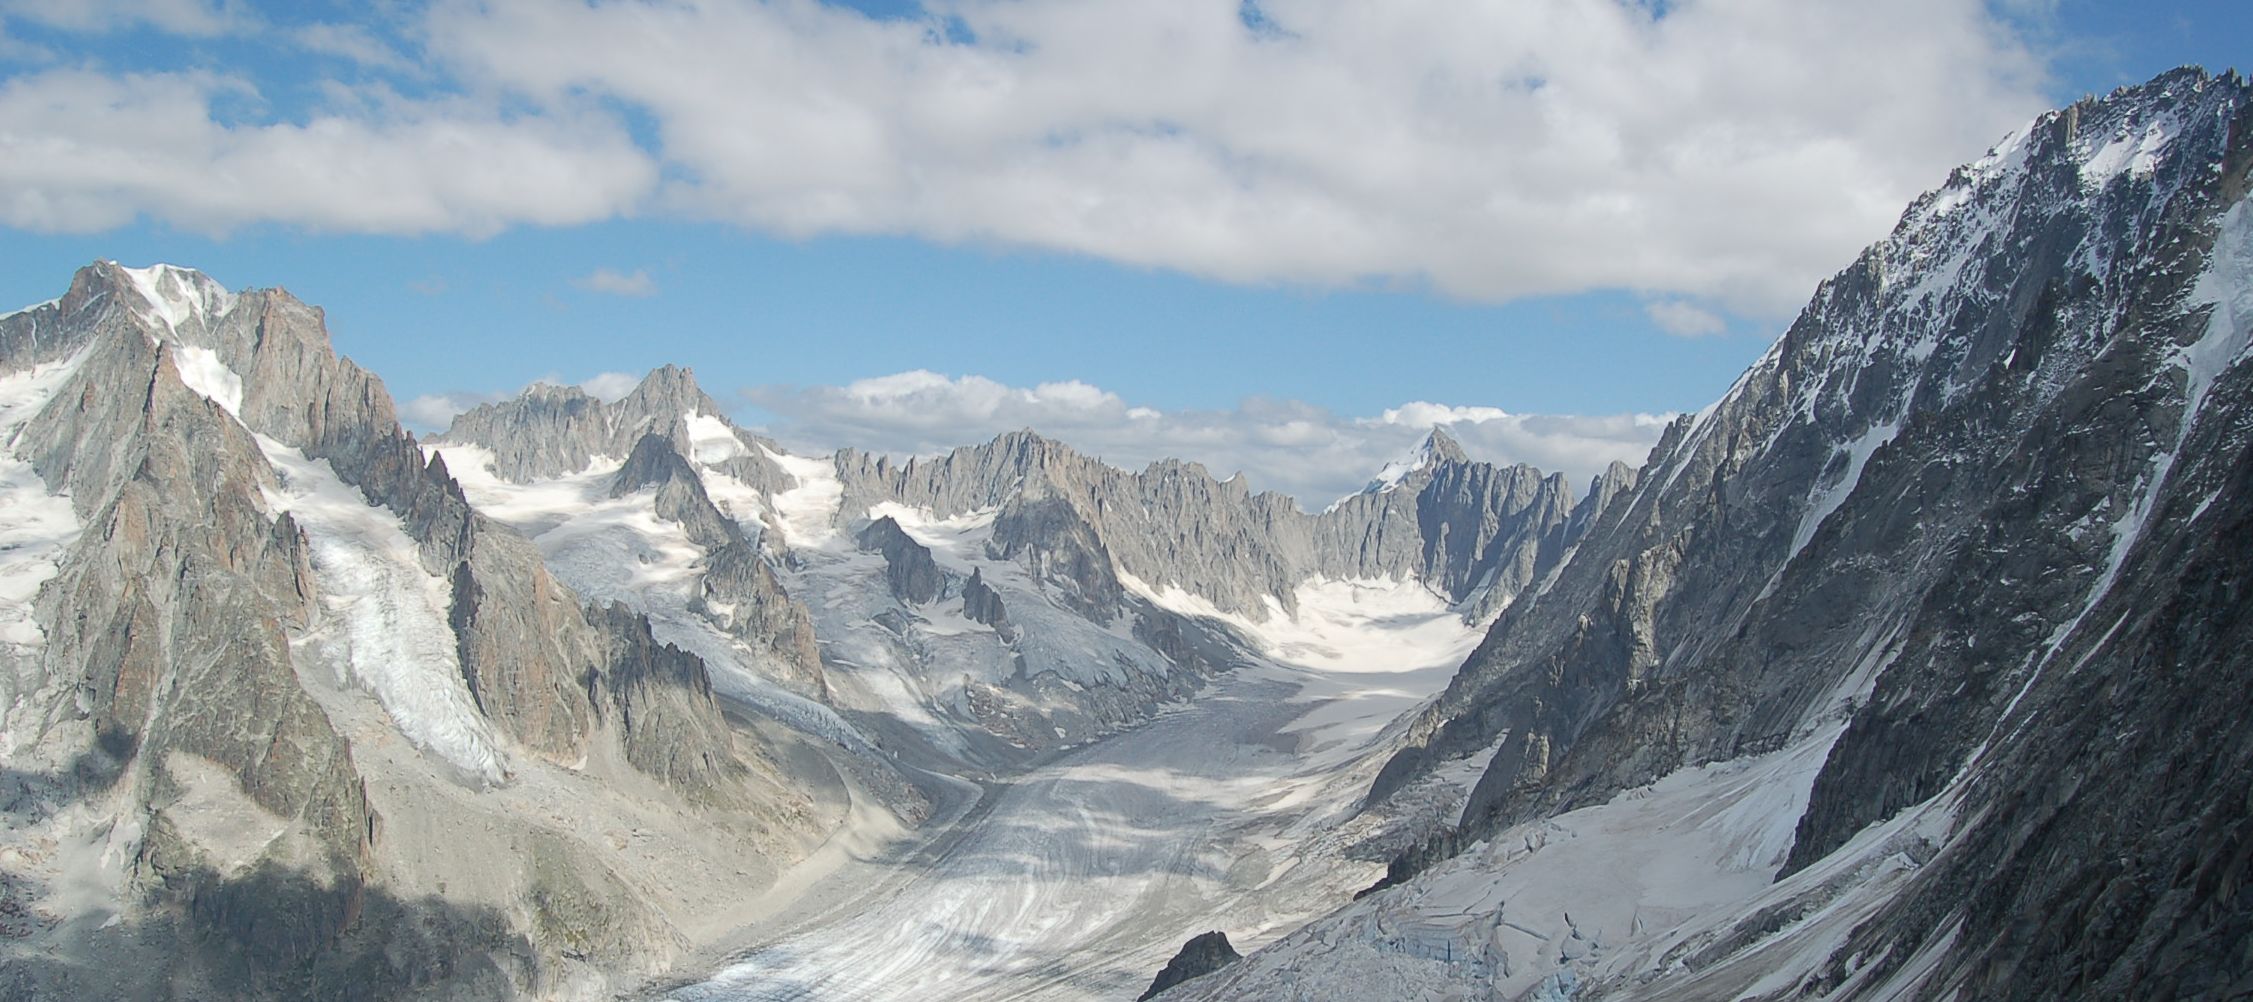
x=1297 y=448
x=1722 y=150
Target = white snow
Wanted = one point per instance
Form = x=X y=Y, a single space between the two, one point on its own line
x=36 y=527
x=1614 y=894
x=809 y=510
x=710 y=440
x=618 y=550
x=1829 y=496
x=386 y=614
x=176 y=295
x=958 y=536
x=2226 y=285
x=201 y=369
x=2132 y=149
x=532 y=508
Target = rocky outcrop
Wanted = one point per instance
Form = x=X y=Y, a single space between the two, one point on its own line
x=1973 y=504
x=680 y=492
x=200 y=696
x=548 y=431
x=982 y=604
x=1203 y=954
x=909 y=572
x=1477 y=533
x=661 y=699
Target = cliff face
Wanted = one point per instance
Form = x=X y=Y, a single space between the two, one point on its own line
x=251 y=592
x=1475 y=533
x=1979 y=505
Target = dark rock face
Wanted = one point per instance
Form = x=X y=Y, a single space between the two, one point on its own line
x=1202 y=955
x=909 y=571
x=1982 y=502
x=981 y=604
x=1061 y=549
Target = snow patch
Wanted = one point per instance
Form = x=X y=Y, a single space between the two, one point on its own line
x=176 y=295
x=809 y=510
x=36 y=527
x=2135 y=151
x=710 y=440
x=1827 y=500
x=204 y=373
x=388 y=614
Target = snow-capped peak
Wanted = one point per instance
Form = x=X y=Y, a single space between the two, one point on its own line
x=1439 y=448
x=176 y=295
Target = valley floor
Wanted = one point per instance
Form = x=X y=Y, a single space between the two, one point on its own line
x=1078 y=879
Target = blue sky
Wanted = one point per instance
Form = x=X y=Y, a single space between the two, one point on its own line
x=1281 y=237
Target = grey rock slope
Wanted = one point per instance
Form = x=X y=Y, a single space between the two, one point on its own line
x=738 y=590
x=1203 y=954
x=1473 y=532
x=548 y=430
x=1991 y=488
x=262 y=829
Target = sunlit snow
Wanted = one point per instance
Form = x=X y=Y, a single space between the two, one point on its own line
x=36 y=527
x=389 y=614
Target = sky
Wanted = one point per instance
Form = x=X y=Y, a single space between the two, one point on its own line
x=1282 y=237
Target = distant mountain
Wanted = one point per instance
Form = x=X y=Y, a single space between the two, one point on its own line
x=1938 y=619
x=979 y=581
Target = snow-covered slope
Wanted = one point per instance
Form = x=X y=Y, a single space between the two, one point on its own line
x=281 y=716
x=1905 y=670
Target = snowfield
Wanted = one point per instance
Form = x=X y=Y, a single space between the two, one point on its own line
x=387 y=615
x=36 y=527
x=1078 y=879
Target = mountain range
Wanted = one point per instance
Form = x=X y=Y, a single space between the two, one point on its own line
x=1909 y=668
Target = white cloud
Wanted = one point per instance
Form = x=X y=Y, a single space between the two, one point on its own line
x=611 y=282
x=1729 y=151
x=611 y=386
x=81 y=151
x=350 y=42
x=1684 y=319
x=432 y=412
x=1733 y=150
x=1297 y=448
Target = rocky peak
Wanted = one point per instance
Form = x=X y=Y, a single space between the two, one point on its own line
x=667 y=395
x=1437 y=451
x=1959 y=507
x=913 y=576
x=549 y=431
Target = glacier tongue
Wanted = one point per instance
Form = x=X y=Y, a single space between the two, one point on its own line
x=389 y=614
x=36 y=527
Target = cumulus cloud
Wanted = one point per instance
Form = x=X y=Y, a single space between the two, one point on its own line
x=83 y=151
x=430 y=413
x=1731 y=151
x=1684 y=319
x=612 y=282
x=610 y=386
x=1728 y=149
x=1298 y=448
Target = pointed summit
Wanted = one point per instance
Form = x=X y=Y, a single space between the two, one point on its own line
x=668 y=393
x=1441 y=447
